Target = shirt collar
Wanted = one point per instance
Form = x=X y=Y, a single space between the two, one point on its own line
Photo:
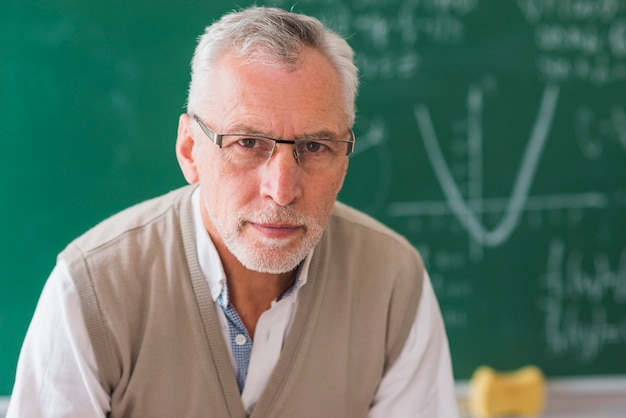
x=211 y=264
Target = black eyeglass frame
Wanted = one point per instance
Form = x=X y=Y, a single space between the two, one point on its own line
x=217 y=138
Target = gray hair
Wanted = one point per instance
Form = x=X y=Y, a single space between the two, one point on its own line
x=270 y=36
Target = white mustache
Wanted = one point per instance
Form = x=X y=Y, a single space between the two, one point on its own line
x=277 y=215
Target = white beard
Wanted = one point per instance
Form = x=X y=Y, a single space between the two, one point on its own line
x=268 y=255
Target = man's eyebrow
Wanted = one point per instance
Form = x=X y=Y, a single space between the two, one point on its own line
x=244 y=129
x=321 y=135
x=249 y=130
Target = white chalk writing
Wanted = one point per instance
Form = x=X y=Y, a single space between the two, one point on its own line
x=594 y=130
x=578 y=39
x=581 y=289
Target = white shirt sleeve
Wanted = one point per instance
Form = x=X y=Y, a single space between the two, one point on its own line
x=420 y=383
x=56 y=372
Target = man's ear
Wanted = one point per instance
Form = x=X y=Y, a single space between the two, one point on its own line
x=185 y=154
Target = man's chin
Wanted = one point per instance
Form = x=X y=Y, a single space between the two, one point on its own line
x=271 y=266
x=273 y=259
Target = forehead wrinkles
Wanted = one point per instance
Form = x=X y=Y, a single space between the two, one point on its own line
x=265 y=101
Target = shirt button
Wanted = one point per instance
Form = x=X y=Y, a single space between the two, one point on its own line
x=240 y=339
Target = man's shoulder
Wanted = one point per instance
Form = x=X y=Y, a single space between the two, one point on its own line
x=352 y=233
x=363 y=226
x=132 y=219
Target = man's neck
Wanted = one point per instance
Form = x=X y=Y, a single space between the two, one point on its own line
x=251 y=292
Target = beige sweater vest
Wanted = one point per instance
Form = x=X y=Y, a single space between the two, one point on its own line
x=156 y=336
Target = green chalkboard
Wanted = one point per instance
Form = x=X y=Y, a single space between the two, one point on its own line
x=491 y=133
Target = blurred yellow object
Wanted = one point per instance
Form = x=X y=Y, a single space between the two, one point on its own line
x=521 y=392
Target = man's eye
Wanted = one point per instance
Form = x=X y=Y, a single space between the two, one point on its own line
x=314 y=147
x=248 y=142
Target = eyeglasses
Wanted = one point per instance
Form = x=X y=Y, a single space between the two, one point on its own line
x=246 y=150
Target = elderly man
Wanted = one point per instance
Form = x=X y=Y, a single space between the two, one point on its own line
x=250 y=292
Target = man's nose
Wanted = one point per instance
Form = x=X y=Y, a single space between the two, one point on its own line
x=282 y=176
